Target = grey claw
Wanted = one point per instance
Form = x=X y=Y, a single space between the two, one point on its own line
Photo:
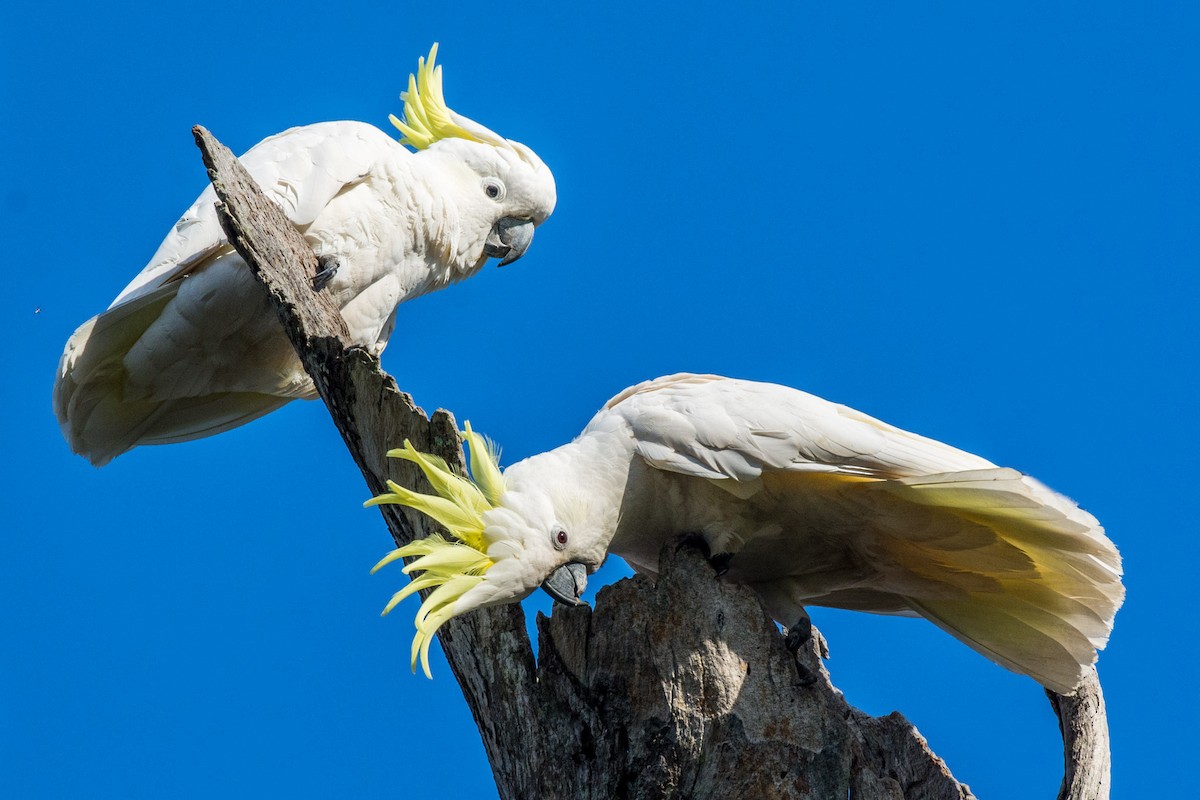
x=328 y=268
x=805 y=677
x=720 y=563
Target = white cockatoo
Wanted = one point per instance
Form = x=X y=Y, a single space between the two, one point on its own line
x=806 y=501
x=192 y=347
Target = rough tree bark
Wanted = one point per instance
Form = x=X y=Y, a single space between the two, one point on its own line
x=677 y=689
x=1083 y=722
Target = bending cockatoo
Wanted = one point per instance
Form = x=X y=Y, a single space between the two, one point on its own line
x=191 y=347
x=806 y=501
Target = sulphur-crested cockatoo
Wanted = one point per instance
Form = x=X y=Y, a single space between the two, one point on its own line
x=806 y=501
x=192 y=348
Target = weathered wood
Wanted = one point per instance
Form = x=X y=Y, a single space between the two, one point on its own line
x=677 y=689
x=489 y=651
x=710 y=704
x=1083 y=721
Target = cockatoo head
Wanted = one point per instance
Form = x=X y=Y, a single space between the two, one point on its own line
x=504 y=189
x=505 y=540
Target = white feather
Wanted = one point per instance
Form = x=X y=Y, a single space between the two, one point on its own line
x=191 y=347
x=820 y=504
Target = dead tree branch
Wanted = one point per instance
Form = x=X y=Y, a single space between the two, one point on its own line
x=1083 y=721
x=677 y=689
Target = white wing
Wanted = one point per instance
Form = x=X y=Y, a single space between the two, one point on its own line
x=302 y=169
x=840 y=509
x=713 y=427
x=108 y=398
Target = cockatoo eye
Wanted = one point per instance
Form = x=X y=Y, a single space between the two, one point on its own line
x=494 y=188
x=560 y=538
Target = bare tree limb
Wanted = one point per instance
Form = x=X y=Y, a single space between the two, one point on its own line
x=1084 y=725
x=489 y=651
x=681 y=688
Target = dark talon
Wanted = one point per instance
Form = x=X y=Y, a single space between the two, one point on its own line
x=697 y=541
x=720 y=563
x=798 y=635
x=329 y=267
x=804 y=676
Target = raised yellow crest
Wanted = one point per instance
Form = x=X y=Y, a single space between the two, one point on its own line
x=427 y=118
x=451 y=567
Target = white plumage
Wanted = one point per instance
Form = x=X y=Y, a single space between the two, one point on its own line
x=191 y=347
x=818 y=505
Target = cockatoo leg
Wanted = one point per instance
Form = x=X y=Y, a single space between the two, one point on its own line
x=798 y=634
x=328 y=268
x=719 y=562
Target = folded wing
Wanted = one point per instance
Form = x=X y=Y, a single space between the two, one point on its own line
x=127 y=376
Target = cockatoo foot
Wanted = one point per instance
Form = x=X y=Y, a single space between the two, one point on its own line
x=798 y=634
x=329 y=266
x=804 y=676
x=696 y=542
x=719 y=562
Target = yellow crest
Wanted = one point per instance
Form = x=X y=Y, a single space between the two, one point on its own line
x=427 y=118
x=451 y=567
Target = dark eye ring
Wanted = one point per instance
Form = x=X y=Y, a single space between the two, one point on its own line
x=560 y=538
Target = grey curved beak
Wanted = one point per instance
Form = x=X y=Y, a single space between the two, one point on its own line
x=566 y=584
x=509 y=239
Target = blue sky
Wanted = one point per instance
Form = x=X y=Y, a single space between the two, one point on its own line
x=975 y=221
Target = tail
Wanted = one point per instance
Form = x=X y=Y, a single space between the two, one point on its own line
x=1014 y=570
x=89 y=400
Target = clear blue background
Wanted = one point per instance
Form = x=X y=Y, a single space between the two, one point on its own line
x=977 y=221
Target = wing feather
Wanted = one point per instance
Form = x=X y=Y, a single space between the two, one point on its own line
x=848 y=511
x=712 y=427
x=302 y=169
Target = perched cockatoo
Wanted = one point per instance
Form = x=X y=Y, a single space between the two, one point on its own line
x=192 y=348
x=806 y=501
